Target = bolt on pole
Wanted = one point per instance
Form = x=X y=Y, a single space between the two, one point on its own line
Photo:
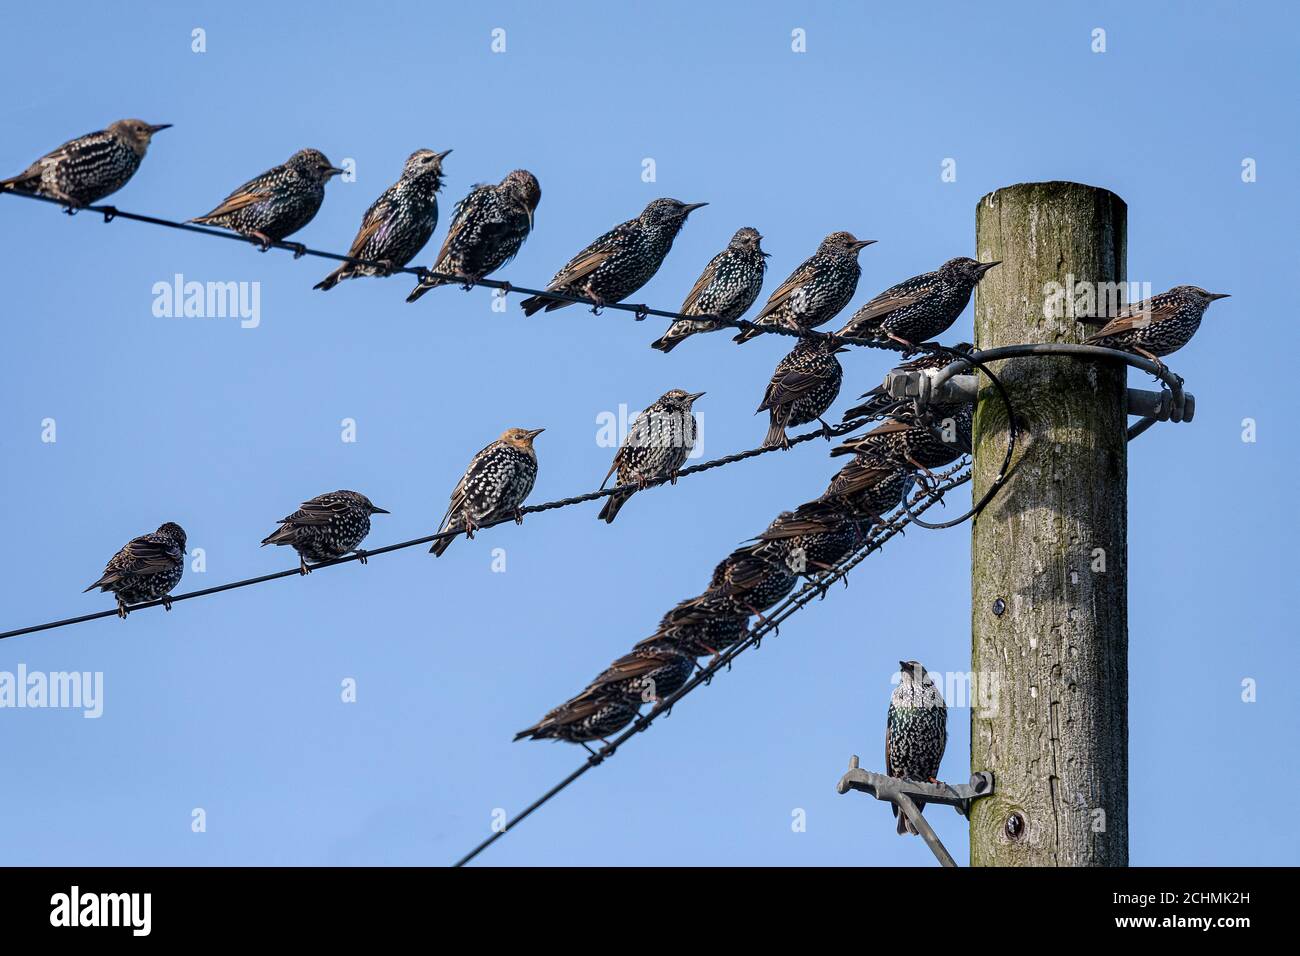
x=1049 y=614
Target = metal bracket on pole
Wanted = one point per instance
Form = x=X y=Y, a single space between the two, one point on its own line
x=900 y=793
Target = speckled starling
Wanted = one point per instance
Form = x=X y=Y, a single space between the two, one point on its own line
x=326 y=527
x=648 y=673
x=487 y=228
x=399 y=223
x=586 y=717
x=86 y=169
x=943 y=436
x=870 y=487
x=493 y=487
x=727 y=288
x=805 y=384
x=916 y=732
x=880 y=402
x=816 y=291
x=707 y=624
x=814 y=537
x=1157 y=326
x=278 y=203
x=748 y=583
x=147 y=569
x=619 y=262
x=921 y=307
x=657 y=445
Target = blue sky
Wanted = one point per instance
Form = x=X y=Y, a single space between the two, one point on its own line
x=232 y=704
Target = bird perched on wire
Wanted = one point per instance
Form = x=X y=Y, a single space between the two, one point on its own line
x=870 y=487
x=326 y=527
x=86 y=169
x=398 y=223
x=487 y=229
x=805 y=384
x=725 y=290
x=880 y=402
x=706 y=624
x=657 y=445
x=814 y=537
x=745 y=583
x=278 y=203
x=920 y=307
x=916 y=732
x=817 y=290
x=619 y=262
x=148 y=568
x=586 y=717
x=649 y=672
x=1157 y=326
x=493 y=487
x=938 y=438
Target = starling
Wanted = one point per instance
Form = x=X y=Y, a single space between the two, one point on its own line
x=916 y=732
x=487 y=228
x=399 y=222
x=326 y=527
x=86 y=169
x=657 y=445
x=648 y=673
x=880 y=402
x=921 y=307
x=805 y=384
x=870 y=487
x=701 y=625
x=938 y=439
x=585 y=717
x=814 y=537
x=619 y=262
x=817 y=290
x=278 y=203
x=747 y=584
x=493 y=487
x=147 y=569
x=728 y=287
x=1157 y=326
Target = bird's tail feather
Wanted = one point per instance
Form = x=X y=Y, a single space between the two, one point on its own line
x=904 y=824
x=103 y=583
x=612 y=505
x=333 y=279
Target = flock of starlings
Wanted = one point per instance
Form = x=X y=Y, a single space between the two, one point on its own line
x=488 y=227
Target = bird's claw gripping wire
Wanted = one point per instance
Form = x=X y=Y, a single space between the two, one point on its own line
x=298 y=249
x=110 y=213
x=641 y=313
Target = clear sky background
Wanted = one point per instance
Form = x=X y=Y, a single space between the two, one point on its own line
x=232 y=703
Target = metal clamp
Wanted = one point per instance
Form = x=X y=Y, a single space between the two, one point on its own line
x=901 y=793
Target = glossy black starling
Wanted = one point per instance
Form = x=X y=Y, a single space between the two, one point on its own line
x=487 y=228
x=879 y=401
x=657 y=445
x=586 y=717
x=816 y=291
x=938 y=439
x=147 y=569
x=86 y=169
x=399 y=223
x=648 y=673
x=494 y=485
x=916 y=732
x=326 y=527
x=727 y=288
x=1157 y=326
x=870 y=487
x=278 y=203
x=707 y=624
x=619 y=262
x=805 y=384
x=814 y=537
x=921 y=307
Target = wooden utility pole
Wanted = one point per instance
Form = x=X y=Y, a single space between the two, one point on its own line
x=1049 y=614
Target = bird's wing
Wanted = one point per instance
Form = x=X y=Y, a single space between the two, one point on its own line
x=890 y=427
x=784 y=291
x=1147 y=312
x=586 y=262
x=889 y=767
x=318 y=510
x=789 y=386
x=628 y=666
x=702 y=283
x=255 y=190
x=460 y=217
x=148 y=554
x=891 y=300
x=376 y=216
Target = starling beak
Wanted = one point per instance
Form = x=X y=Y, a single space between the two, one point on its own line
x=326 y=527
x=621 y=261
x=817 y=290
x=496 y=483
x=657 y=445
x=921 y=307
x=87 y=169
x=725 y=290
x=916 y=731
x=148 y=568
